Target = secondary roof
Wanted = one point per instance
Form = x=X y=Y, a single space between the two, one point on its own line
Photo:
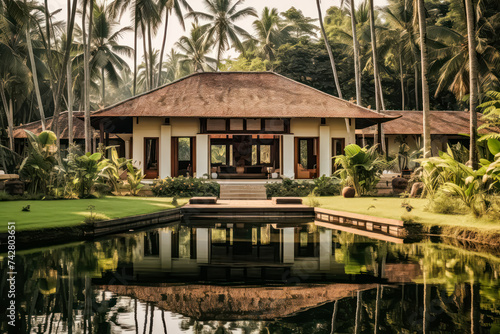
x=442 y=123
x=239 y=94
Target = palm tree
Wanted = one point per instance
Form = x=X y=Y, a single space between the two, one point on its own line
x=168 y=6
x=33 y=65
x=374 y=57
x=355 y=46
x=425 y=86
x=300 y=25
x=174 y=66
x=271 y=32
x=222 y=15
x=329 y=49
x=105 y=49
x=195 y=49
x=473 y=84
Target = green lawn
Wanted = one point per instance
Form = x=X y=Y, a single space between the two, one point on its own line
x=389 y=207
x=59 y=213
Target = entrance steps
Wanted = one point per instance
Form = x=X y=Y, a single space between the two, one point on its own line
x=243 y=191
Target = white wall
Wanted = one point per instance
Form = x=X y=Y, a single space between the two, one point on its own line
x=155 y=127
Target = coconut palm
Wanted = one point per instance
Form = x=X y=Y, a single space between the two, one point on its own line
x=168 y=6
x=175 y=67
x=300 y=24
x=195 y=49
x=355 y=46
x=222 y=16
x=329 y=49
x=473 y=75
x=105 y=48
x=425 y=86
x=271 y=32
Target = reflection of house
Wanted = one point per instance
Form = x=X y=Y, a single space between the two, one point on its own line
x=20 y=135
x=447 y=127
x=238 y=125
x=248 y=251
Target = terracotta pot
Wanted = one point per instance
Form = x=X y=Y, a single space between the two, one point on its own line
x=348 y=192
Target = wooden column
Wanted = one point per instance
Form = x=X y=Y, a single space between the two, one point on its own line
x=379 y=136
x=101 y=133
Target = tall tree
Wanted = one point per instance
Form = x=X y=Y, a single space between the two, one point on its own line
x=195 y=50
x=86 y=76
x=33 y=66
x=271 y=32
x=473 y=84
x=168 y=6
x=425 y=86
x=355 y=46
x=329 y=49
x=222 y=15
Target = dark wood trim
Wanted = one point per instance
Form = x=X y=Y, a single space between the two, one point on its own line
x=204 y=129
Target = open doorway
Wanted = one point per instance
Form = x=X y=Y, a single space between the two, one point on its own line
x=183 y=156
x=306 y=157
x=151 y=158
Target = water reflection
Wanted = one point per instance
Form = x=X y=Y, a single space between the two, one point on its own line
x=254 y=278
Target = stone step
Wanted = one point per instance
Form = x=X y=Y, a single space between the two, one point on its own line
x=242 y=192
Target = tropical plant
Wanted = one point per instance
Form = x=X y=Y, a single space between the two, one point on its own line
x=37 y=169
x=491 y=115
x=134 y=178
x=360 y=168
x=289 y=188
x=88 y=173
x=195 y=49
x=222 y=15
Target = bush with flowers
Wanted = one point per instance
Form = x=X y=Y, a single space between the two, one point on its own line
x=185 y=187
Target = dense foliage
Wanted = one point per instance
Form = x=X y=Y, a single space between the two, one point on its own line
x=360 y=168
x=185 y=187
x=445 y=176
x=322 y=186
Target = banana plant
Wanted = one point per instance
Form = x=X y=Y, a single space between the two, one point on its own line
x=134 y=178
x=360 y=168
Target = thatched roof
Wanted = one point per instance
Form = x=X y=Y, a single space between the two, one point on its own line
x=442 y=123
x=209 y=302
x=36 y=127
x=238 y=94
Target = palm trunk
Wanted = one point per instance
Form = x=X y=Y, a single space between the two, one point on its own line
x=334 y=316
x=402 y=82
x=160 y=62
x=425 y=86
x=377 y=308
x=417 y=104
x=146 y=81
x=329 y=49
x=9 y=116
x=374 y=56
x=357 y=319
x=355 y=45
x=62 y=76
x=151 y=64
x=219 y=51
x=103 y=88
x=473 y=82
x=86 y=74
x=135 y=53
x=70 y=298
x=34 y=73
x=70 y=103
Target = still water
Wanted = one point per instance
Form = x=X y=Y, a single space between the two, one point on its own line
x=254 y=278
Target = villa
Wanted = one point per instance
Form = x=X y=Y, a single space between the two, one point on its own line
x=235 y=125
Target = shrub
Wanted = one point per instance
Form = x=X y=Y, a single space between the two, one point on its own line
x=326 y=186
x=360 y=168
x=289 y=188
x=445 y=203
x=185 y=187
x=134 y=178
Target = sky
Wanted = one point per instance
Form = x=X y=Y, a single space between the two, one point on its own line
x=308 y=8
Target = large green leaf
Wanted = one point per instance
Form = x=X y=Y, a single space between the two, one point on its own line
x=494 y=146
x=351 y=150
x=47 y=137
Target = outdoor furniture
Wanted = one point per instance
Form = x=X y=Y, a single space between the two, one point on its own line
x=14 y=187
x=203 y=200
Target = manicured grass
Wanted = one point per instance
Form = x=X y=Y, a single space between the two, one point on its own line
x=59 y=213
x=389 y=207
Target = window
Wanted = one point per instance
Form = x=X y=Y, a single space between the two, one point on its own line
x=253 y=124
x=236 y=124
x=218 y=154
x=265 y=154
x=216 y=124
x=219 y=236
x=254 y=155
x=277 y=125
x=184 y=149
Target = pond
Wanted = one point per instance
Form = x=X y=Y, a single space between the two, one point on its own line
x=253 y=278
